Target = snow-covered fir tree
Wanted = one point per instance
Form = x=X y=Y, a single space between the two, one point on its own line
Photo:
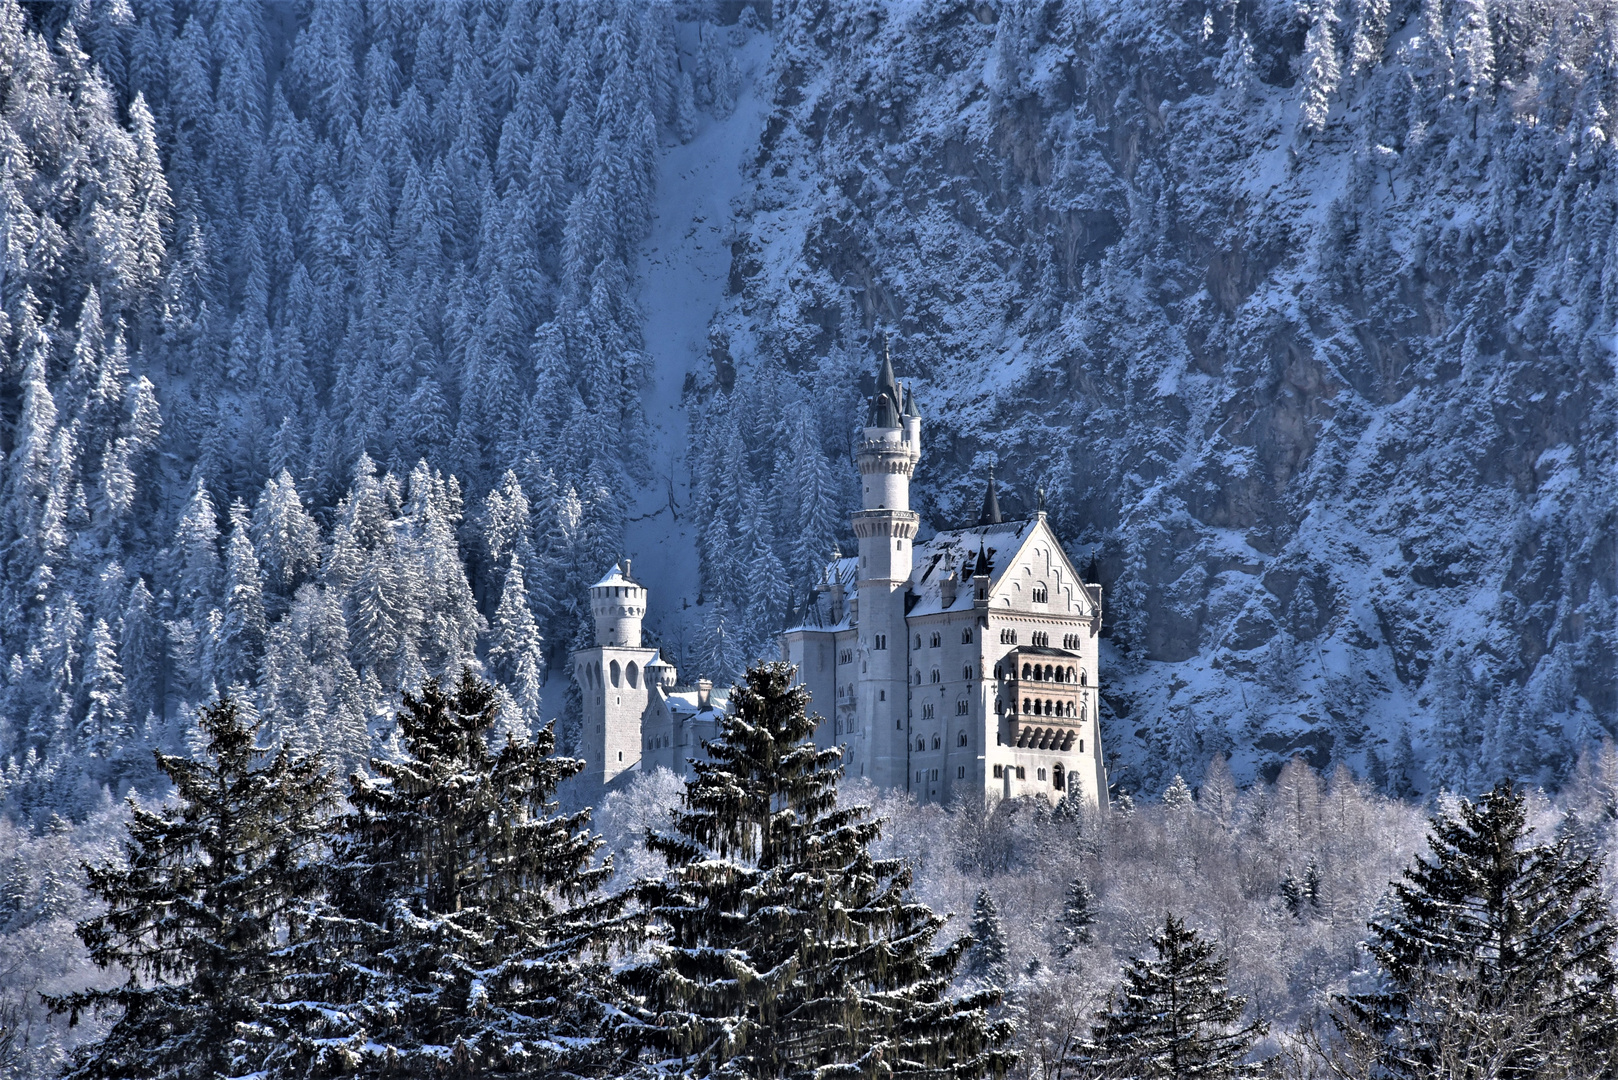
x=199 y=909
x=1173 y=1015
x=988 y=958
x=1077 y=924
x=1494 y=952
x=783 y=947
x=465 y=920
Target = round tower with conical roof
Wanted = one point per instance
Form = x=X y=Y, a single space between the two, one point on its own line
x=886 y=528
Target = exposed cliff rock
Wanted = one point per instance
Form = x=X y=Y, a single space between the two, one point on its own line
x=1301 y=314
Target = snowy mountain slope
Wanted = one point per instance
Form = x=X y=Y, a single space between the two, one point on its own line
x=1302 y=318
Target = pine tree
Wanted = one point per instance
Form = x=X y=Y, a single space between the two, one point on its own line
x=464 y=911
x=198 y=909
x=988 y=959
x=1078 y=917
x=784 y=948
x=1173 y=1017
x=1495 y=950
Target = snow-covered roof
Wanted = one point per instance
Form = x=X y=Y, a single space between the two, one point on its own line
x=956 y=551
x=817 y=614
x=615 y=576
x=684 y=702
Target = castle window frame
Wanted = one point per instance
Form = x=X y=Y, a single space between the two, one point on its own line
x=966 y=672
x=1041 y=594
x=1041 y=639
x=960 y=738
x=918 y=641
x=935 y=641
x=927 y=711
x=1058 y=777
x=999 y=772
x=1022 y=772
x=938 y=744
x=881 y=642
x=960 y=772
x=962 y=707
x=846 y=656
x=1008 y=636
x=936 y=676
x=1041 y=775
x=966 y=636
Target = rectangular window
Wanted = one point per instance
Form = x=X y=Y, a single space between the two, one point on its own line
x=960 y=772
x=1081 y=746
x=935 y=774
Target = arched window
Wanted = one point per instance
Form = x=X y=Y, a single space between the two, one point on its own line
x=936 y=676
x=960 y=738
x=966 y=636
x=1083 y=679
x=1057 y=779
x=634 y=674
x=1025 y=671
x=1027 y=706
x=937 y=742
x=921 y=744
x=966 y=672
x=1041 y=594
x=918 y=641
x=1061 y=675
x=936 y=641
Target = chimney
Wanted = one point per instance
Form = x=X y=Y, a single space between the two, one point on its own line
x=704 y=693
x=626 y=570
x=947 y=588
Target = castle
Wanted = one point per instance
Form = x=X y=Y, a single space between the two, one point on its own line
x=963 y=667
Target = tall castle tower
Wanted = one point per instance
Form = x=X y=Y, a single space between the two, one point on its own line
x=886 y=528
x=617 y=678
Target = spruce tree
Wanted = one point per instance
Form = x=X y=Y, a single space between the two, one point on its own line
x=988 y=959
x=465 y=924
x=1078 y=916
x=197 y=911
x=1495 y=950
x=1173 y=1016
x=782 y=947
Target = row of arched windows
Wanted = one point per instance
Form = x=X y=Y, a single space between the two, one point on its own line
x=1053 y=673
x=1047 y=707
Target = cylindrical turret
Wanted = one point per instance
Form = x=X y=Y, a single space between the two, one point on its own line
x=618 y=605
x=661 y=673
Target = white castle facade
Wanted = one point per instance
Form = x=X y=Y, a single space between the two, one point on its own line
x=960 y=668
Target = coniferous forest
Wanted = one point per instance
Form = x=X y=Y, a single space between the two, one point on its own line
x=343 y=345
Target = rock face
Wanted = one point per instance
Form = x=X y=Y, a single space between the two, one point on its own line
x=1302 y=315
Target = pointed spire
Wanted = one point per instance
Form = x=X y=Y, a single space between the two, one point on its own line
x=991 y=504
x=1041 y=498
x=888 y=399
x=983 y=567
x=911 y=412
